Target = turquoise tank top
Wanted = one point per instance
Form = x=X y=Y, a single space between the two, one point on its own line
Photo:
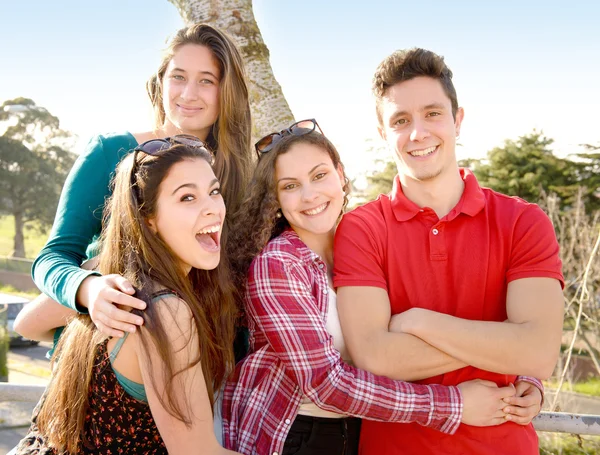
x=132 y=388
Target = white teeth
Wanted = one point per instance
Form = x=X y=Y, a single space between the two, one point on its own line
x=423 y=152
x=210 y=229
x=316 y=210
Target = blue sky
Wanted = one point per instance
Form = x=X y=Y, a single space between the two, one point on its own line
x=518 y=65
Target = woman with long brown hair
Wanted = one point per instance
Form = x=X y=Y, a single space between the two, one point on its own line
x=297 y=391
x=151 y=391
x=198 y=89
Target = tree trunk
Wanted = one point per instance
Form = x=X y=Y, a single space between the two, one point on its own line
x=19 y=247
x=270 y=110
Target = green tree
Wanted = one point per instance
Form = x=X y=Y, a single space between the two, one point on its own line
x=34 y=162
x=379 y=174
x=528 y=168
x=588 y=174
x=380 y=182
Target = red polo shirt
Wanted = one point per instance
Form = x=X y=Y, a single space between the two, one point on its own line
x=458 y=265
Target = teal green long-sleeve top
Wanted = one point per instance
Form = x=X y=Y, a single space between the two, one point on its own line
x=78 y=223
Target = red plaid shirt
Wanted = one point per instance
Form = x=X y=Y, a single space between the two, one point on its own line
x=292 y=355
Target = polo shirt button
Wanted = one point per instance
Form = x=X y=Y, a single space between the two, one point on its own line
x=435 y=232
x=288 y=421
x=275 y=453
x=325 y=291
x=321 y=266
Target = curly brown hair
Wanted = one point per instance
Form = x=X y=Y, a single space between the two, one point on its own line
x=258 y=221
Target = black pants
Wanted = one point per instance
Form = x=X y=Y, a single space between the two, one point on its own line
x=322 y=436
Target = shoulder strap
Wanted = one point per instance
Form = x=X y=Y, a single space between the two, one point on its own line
x=163 y=293
x=115 y=352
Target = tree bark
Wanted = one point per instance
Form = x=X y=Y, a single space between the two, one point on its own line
x=270 y=110
x=19 y=245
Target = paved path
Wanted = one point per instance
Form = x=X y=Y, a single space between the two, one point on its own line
x=11 y=435
x=25 y=366
x=572 y=402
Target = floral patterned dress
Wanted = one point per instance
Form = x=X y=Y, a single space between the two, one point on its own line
x=116 y=423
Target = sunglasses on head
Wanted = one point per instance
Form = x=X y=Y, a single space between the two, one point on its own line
x=300 y=128
x=155 y=146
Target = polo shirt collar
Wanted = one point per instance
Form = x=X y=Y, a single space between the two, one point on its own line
x=471 y=202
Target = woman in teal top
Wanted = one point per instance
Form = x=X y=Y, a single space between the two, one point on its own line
x=78 y=218
x=199 y=89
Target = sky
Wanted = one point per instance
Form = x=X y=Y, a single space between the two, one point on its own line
x=518 y=65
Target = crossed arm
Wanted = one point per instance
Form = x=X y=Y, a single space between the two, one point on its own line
x=365 y=315
x=527 y=343
x=424 y=343
x=419 y=344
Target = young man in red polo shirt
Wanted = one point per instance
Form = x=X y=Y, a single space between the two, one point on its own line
x=469 y=277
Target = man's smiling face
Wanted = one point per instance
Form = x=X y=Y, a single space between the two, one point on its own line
x=418 y=125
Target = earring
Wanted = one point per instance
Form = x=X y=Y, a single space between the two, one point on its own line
x=278 y=214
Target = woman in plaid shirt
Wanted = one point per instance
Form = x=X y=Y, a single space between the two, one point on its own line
x=297 y=391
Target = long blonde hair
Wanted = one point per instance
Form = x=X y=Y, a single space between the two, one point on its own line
x=230 y=135
x=131 y=249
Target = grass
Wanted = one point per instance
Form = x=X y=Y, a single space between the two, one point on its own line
x=30 y=369
x=568 y=444
x=590 y=386
x=34 y=241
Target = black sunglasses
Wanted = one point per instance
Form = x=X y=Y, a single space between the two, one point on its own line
x=155 y=146
x=297 y=129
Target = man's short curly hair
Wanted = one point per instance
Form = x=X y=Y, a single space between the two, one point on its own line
x=404 y=65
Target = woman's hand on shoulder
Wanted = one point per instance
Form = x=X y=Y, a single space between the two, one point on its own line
x=109 y=300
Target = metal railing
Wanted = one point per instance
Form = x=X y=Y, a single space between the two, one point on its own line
x=556 y=422
x=564 y=422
